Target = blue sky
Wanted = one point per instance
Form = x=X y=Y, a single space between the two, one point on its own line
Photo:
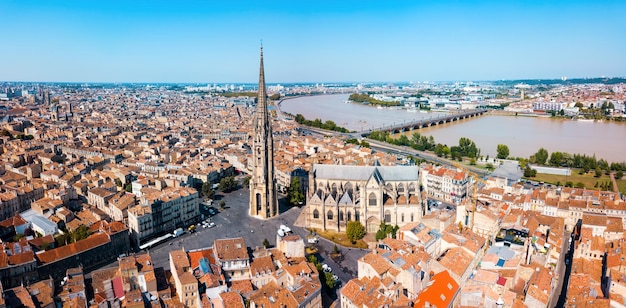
x=310 y=41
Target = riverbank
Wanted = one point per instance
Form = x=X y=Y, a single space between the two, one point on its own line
x=586 y=180
x=524 y=135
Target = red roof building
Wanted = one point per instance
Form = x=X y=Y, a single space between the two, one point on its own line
x=441 y=292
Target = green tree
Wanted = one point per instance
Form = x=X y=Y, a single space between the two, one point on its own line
x=529 y=172
x=578 y=105
x=275 y=96
x=467 y=148
x=352 y=141
x=355 y=231
x=541 y=156
x=403 y=140
x=222 y=205
x=503 y=151
x=128 y=187
x=556 y=159
x=62 y=239
x=266 y=243
x=445 y=151
x=598 y=172
x=207 y=190
x=81 y=233
x=619 y=174
x=246 y=181
x=330 y=280
x=228 y=184
x=300 y=119
x=580 y=185
x=294 y=192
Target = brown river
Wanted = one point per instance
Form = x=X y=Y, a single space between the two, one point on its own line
x=523 y=135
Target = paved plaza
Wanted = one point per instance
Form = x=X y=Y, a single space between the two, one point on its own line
x=235 y=221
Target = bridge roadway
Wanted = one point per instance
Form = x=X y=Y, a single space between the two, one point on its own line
x=423 y=123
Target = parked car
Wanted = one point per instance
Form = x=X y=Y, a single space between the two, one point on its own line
x=211 y=225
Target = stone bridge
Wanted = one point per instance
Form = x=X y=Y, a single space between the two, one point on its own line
x=422 y=123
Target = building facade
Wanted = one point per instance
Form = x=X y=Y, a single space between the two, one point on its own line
x=163 y=211
x=369 y=194
x=447 y=184
x=263 y=201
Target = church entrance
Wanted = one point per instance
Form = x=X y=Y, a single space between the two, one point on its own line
x=373 y=224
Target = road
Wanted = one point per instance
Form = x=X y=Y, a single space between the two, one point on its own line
x=561 y=268
x=564 y=282
x=402 y=150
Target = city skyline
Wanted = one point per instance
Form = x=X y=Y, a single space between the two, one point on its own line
x=198 y=42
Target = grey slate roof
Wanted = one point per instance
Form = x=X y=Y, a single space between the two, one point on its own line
x=363 y=173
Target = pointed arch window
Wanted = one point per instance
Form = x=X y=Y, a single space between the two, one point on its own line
x=329 y=215
x=372 y=199
x=316 y=214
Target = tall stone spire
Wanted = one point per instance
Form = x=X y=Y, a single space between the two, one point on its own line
x=263 y=202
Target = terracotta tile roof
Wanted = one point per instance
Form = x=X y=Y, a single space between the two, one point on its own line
x=180 y=260
x=365 y=292
x=69 y=250
x=242 y=286
x=456 y=260
x=262 y=265
x=539 y=285
x=232 y=299
x=22 y=258
x=231 y=249
x=614 y=224
x=271 y=295
x=18 y=297
x=43 y=292
x=592 y=268
x=440 y=292
x=595 y=220
x=195 y=256
x=108 y=227
x=377 y=262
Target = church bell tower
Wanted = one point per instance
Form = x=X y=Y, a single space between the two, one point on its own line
x=263 y=201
